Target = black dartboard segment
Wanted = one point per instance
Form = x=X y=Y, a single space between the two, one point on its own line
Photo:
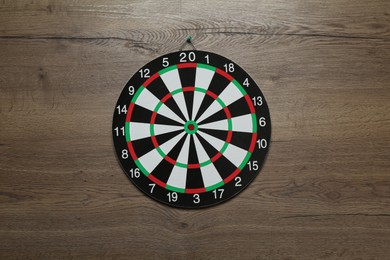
x=191 y=129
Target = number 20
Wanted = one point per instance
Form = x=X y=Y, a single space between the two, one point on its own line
x=183 y=56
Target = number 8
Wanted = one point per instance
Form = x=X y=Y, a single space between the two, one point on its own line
x=125 y=154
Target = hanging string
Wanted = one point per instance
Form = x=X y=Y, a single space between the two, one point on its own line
x=188 y=42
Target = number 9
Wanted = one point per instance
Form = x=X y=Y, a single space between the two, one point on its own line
x=131 y=90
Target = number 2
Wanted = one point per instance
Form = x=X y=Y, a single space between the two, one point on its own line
x=238 y=181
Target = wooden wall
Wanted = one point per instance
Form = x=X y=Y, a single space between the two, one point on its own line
x=324 y=191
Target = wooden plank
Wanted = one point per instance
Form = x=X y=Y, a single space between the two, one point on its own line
x=139 y=19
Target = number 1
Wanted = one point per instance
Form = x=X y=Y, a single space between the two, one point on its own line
x=207 y=59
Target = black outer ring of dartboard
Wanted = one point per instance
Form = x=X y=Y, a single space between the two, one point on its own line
x=186 y=200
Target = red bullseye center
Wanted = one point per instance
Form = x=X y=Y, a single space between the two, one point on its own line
x=191 y=127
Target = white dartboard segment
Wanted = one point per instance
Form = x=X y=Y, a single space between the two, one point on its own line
x=178 y=175
x=213 y=141
x=228 y=96
x=168 y=145
x=203 y=79
x=222 y=125
x=150 y=160
x=243 y=123
x=172 y=81
x=210 y=174
x=142 y=130
x=149 y=101
x=164 y=129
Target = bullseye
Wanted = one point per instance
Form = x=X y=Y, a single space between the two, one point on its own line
x=191 y=127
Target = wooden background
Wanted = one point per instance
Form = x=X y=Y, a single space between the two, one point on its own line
x=324 y=191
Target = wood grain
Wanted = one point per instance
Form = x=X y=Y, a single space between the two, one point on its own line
x=323 y=192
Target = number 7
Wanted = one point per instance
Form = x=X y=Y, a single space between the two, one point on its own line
x=152 y=185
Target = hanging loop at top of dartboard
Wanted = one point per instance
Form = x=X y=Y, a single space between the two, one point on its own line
x=188 y=42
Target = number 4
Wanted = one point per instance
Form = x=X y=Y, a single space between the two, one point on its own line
x=246 y=82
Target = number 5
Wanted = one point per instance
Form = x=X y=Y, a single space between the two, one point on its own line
x=165 y=62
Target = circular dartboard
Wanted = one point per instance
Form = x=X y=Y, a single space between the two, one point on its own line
x=191 y=129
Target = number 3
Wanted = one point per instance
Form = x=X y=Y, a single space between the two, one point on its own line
x=196 y=198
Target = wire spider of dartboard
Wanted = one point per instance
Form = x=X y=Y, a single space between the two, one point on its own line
x=191 y=129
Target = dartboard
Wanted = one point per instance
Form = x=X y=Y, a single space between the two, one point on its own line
x=191 y=129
